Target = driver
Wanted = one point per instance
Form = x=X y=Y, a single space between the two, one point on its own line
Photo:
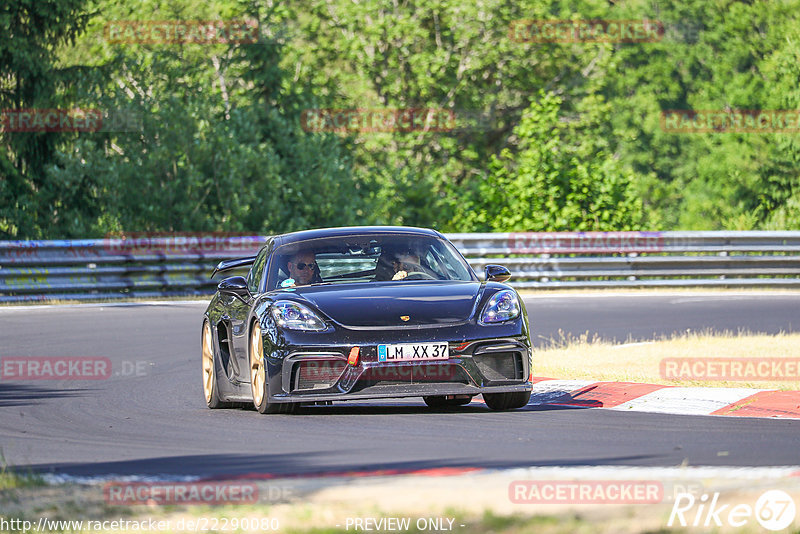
x=404 y=263
x=302 y=267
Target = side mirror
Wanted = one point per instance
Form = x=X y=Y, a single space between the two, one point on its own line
x=235 y=285
x=497 y=273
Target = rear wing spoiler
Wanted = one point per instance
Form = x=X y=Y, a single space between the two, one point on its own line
x=227 y=265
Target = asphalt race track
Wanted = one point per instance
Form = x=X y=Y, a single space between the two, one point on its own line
x=149 y=417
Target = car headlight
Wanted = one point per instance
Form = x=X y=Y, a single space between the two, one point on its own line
x=502 y=306
x=295 y=316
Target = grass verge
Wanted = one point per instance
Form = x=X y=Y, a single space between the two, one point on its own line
x=464 y=504
x=11 y=479
x=584 y=358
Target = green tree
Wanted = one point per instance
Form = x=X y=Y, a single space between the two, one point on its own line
x=561 y=178
x=219 y=146
x=439 y=54
x=714 y=56
x=30 y=204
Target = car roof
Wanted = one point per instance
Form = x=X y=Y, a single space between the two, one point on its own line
x=354 y=230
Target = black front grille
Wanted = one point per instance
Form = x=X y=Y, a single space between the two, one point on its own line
x=500 y=365
x=317 y=374
x=415 y=373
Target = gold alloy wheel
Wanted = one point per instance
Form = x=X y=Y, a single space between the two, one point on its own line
x=208 y=364
x=257 y=372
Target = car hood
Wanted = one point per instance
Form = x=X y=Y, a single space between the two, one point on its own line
x=384 y=303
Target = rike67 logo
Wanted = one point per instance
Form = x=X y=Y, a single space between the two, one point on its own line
x=774 y=510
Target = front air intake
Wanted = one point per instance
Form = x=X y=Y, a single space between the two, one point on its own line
x=500 y=365
x=317 y=374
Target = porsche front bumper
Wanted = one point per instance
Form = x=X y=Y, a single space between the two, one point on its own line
x=304 y=372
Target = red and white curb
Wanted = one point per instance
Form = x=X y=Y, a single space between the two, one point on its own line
x=655 y=398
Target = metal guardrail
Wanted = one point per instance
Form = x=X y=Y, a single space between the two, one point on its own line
x=154 y=266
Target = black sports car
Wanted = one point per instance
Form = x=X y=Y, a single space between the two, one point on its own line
x=364 y=313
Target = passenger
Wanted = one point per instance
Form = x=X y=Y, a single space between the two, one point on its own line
x=384 y=269
x=405 y=263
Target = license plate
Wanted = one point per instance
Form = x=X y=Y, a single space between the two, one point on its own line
x=413 y=352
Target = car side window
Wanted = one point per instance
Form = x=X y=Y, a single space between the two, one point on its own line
x=432 y=263
x=257 y=271
x=443 y=262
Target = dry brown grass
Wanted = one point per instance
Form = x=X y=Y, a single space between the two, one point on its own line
x=582 y=358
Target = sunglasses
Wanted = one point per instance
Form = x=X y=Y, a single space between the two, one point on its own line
x=302 y=266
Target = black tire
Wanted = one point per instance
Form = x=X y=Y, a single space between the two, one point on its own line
x=286 y=408
x=439 y=401
x=259 y=383
x=506 y=401
x=209 y=363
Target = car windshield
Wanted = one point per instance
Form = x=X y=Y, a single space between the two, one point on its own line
x=366 y=258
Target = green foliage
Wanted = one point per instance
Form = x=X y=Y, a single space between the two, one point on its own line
x=216 y=142
x=562 y=177
x=11 y=478
x=714 y=56
x=30 y=78
x=441 y=54
x=572 y=140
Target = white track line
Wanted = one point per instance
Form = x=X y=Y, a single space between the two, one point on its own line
x=549 y=391
x=687 y=401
